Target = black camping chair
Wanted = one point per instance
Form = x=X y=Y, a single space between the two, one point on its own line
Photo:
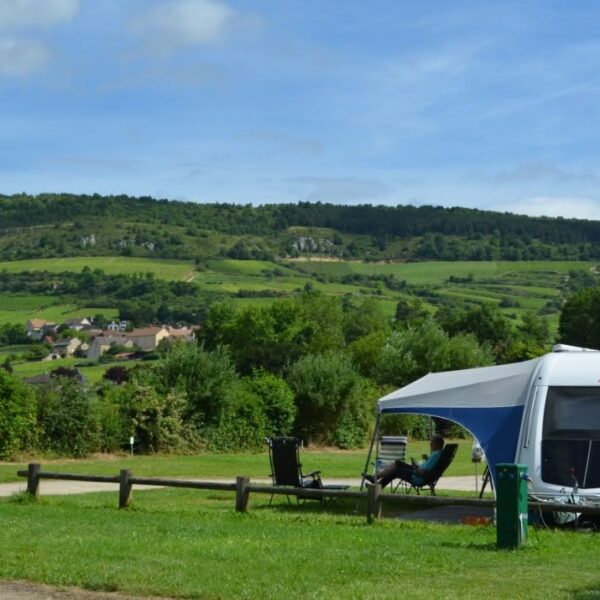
x=286 y=468
x=448 y=454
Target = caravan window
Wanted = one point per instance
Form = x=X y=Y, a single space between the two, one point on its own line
x=571 y=436
x=573 y=413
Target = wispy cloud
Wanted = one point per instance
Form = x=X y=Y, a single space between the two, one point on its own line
x=22 y=57
x=22 y=53
x=539 y=172
x=174 y=24
x=25 y=14
x=281 y=141
x=549 y=206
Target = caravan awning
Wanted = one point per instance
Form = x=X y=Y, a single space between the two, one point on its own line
x=487 y=401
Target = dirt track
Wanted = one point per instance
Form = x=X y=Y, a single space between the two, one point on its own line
x=22 y=590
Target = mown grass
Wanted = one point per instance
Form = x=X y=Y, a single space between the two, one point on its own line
x=332 y=463
x=191 y=544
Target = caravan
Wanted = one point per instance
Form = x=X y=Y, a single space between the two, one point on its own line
x=544 y=413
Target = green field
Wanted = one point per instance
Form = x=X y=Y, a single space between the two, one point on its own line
x=192 y=544
x=92 y=374
x=331 y=462
x=166 y=269
x=527 y=285
x=18 y=308
x=437 y=271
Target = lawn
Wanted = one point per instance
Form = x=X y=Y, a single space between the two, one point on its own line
x=331 y=462
x=191 y=544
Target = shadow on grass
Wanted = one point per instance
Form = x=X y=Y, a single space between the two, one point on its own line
x=477 y=546
x=344 y=507
x=590 y=592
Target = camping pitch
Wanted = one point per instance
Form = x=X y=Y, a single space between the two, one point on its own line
x=544 y=413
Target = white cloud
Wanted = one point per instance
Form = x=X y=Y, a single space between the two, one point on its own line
x=22 y=14
x=21 y=58
x=555 y=206
x=175 y=23
x=539 y=171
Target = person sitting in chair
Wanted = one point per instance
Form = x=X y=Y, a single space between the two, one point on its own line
x=415 y=473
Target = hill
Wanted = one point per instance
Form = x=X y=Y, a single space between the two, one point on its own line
x=54 y=225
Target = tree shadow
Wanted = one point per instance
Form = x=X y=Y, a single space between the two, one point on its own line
x=589 y=592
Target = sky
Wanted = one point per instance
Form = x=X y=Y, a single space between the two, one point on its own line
x=491 y=105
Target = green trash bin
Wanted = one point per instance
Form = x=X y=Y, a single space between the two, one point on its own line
x=511 y=505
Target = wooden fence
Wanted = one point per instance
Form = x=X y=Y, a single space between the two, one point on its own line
x=373 y=496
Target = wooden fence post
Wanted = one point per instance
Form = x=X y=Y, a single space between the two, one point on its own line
x=33 y=479
x=242 y=493
x=373 y=502
x=124 y=488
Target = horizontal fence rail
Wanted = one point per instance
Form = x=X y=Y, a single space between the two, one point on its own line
x=242 y=487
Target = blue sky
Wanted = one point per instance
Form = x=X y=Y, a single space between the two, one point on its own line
x=488 y=105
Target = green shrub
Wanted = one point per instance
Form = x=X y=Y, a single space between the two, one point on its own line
x=17 y=416
x=417 y=427
x=205 y=377
x=335 y=404
x=242 y=426
x=154 y=419
x=67 y=418
x=351 y=430
x=113 y=432
x=278 y=401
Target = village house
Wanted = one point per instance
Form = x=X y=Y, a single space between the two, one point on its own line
x=185 y=334
x=148 y=338
x=78 y=324
x=65 y=348
x=37 y=328
x=102 y=343
x=114 y=326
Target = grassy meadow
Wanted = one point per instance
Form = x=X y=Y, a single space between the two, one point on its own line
x=191 y=544
x=112 y=265
x=522 y=286
x=19 y=309
x=331 y=462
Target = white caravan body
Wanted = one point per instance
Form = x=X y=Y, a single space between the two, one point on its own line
x=544 y=413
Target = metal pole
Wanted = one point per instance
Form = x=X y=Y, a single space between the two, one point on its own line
x=375 y=432
x=362 y=481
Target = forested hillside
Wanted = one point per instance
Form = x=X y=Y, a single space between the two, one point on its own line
x=51 y=225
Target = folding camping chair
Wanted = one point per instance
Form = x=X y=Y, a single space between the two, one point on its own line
x=448 y=454
x=286 y=468
x=390 y=448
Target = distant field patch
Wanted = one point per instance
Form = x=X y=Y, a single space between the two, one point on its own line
x=92 y=373
x=113 y=265
x=11 y=312
x=20 y=303
x=243 y=267
x=437 y=272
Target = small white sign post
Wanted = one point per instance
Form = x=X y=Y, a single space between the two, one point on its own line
x=131 y=444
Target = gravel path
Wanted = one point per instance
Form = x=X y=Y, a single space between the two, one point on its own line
x=52 y=487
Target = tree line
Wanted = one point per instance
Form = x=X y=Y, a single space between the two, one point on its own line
x=311 y=366
x=442 y=233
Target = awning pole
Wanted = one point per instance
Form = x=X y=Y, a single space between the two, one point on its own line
x=375 y=432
